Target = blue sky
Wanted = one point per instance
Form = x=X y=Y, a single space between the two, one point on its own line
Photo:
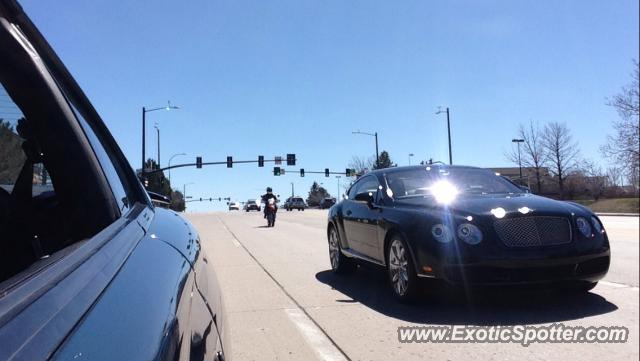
x=277 y=77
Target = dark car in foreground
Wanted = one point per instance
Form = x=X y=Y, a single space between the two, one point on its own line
x=466 y=226
x=89 y=268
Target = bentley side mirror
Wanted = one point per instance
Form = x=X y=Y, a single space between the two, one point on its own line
x=365 y=197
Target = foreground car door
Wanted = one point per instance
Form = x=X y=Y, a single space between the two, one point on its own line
x=113 y=277
x=360 y=222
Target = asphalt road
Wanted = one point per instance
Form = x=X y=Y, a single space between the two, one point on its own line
x=283 y=302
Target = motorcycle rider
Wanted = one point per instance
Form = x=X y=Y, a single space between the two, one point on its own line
x=265 y=200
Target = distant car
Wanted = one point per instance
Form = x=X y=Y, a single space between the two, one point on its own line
x=327 y=203
x=234 y=206
x=465 y=226
x=252 y=205
x=295 y=203
x=89 y=267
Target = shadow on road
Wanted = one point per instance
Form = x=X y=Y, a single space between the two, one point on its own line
x=486 y=307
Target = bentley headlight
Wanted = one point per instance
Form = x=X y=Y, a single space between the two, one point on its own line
x=469 y=233
x=441 y=233
x=583 y=226
x=596 y=224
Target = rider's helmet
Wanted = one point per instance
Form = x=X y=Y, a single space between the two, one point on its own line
x=269 y=190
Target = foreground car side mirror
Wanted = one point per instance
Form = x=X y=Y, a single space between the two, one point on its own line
x=365 y=197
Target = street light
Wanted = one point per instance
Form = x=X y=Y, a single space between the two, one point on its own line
x=292 y=192
x=376 y=136
x=175 y=155
x=184 y=189
x=338 y=196
x=518 y=141
x=410 y=155
x=144 y=115
x=448 y=131
x=158 y=131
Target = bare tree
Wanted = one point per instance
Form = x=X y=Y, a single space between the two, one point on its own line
x=561 y=151
x=360 y=164
x=595 y=180
x=623 y=146
x=532 y=152
x=614 y=176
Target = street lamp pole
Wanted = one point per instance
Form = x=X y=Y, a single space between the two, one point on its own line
x=338 y=195
x=184 y=190
x=375 y=135
x=410 y=155
x=292 y=191
x=448 y=132
x=175 y=155
x=518 y=141
x=158 y=131
x=377 y=154
x=144 y=118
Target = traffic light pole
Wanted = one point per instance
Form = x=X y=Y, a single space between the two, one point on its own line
x=211 y=163
x=208 y=199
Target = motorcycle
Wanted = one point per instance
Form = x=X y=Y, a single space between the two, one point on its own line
x=271 y=210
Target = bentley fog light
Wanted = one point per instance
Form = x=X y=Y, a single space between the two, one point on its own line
x=583 y=226
x=441 y=233
x=469 y=233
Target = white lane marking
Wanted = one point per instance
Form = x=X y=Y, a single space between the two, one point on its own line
x=233 y=238
x=618 y=285
x=314 y=337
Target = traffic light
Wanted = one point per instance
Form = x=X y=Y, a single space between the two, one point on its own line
x=210 y=200
x=291 y=159
x=278 y=160
x=200 y=199
x=326 y=172
x=276 y=171
x=350 y=172
x=198 y=162
x=301 y=172
x=229 y=162
x=219 y=199
x=261 y=161
x=282 y=171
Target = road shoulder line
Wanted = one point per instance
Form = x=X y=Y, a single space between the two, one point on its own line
x=312 y=332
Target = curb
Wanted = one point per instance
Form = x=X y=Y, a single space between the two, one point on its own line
x=618 y=214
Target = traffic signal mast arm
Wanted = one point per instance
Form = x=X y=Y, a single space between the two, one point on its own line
x=208 y=199
x=291 y=159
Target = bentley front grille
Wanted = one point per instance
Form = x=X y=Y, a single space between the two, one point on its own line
x=533 y=231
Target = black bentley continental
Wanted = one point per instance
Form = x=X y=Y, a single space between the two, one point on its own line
x=465 y=226
x=90 y=269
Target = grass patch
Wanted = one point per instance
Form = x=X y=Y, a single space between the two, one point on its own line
x=616 y=205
